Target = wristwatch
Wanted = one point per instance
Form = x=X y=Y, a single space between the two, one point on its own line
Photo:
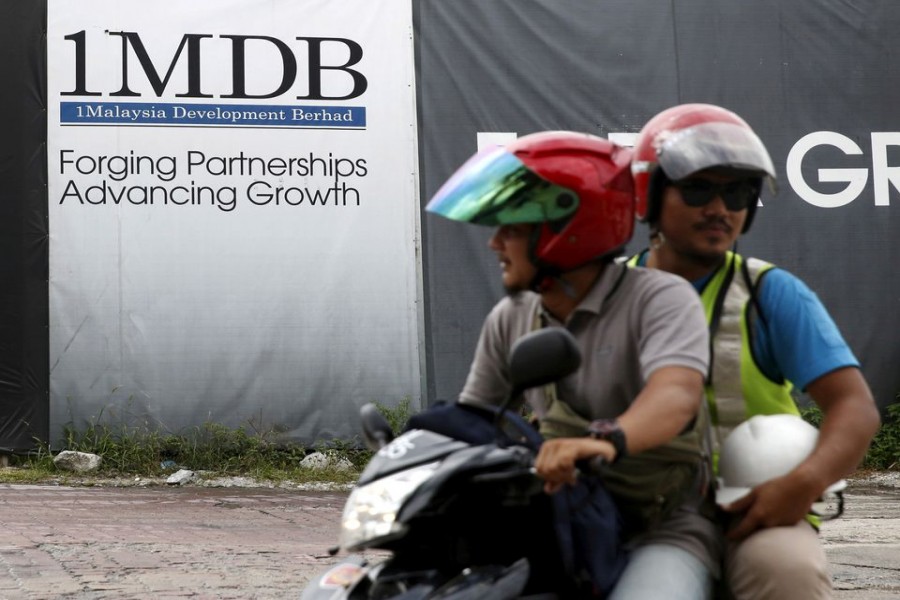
x=609 y=430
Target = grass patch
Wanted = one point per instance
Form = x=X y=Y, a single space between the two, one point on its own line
x=884 y=451
x=24 y=475
x=396 y=416
x=211 y=448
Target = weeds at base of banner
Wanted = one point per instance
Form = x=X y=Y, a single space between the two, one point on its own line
x=212 y=449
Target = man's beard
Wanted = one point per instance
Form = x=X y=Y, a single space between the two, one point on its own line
x=708 y=259
x=705 y=259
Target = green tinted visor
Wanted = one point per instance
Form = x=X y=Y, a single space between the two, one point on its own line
x=495 y=188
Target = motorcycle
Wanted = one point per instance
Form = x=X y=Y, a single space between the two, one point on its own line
x=461 y=518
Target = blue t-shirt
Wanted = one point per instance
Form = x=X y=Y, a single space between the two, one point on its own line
x=799 y=341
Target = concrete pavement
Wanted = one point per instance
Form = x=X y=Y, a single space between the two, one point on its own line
x=162 y=542
x=228 y=543
x=863 y=546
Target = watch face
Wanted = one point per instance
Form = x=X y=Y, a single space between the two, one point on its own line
x=603 y=428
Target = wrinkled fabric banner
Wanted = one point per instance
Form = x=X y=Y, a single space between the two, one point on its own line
x=817 y=81
x=233 y=209
x=24 y=365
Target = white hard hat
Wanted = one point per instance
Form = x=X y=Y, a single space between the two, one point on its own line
x=762 y=448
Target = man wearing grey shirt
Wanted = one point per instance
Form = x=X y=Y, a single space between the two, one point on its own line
x=562 y=205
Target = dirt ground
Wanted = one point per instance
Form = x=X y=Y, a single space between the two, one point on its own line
x=246 y=541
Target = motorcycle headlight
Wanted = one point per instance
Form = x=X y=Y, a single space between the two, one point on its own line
x=371 y=510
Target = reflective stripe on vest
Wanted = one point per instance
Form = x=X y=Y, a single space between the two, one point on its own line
x=738 y=389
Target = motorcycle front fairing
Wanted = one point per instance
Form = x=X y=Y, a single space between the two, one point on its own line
x=436 y=469
x=462 y=519
x=406 y=477
x=479 y=465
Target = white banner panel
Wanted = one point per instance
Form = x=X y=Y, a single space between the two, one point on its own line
x=233 y=212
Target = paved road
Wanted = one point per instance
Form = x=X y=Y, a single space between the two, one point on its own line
x=863 y=546
x=222 y=543
x=162 y=542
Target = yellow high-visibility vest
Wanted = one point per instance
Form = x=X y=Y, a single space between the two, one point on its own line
x=736 y=389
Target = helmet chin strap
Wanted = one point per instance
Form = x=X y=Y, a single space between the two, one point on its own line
x=545 y=277
x=567 y=288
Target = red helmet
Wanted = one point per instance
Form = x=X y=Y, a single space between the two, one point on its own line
x=578 y=185
x=689 y=138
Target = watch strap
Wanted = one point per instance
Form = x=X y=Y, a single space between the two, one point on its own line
x=609 y=430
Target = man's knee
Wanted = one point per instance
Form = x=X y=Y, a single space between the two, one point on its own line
x=780 y=562
x=657 y=571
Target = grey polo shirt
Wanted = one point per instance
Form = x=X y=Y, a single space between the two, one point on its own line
x=632 y=322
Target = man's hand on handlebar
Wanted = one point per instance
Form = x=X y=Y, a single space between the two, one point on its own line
x=556 y=461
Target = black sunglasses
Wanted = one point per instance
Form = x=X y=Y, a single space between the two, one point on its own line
x=737 y=195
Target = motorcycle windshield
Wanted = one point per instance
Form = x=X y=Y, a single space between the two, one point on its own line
x=496 y=188
x=412 y=448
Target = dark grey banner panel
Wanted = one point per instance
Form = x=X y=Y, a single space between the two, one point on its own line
x=24 y=350
x=818 y=81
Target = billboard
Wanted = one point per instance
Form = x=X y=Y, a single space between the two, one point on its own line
x=232 y=195
x=210 y=210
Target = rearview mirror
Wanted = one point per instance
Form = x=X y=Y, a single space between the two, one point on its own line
x=377 y=432
x=542 y=357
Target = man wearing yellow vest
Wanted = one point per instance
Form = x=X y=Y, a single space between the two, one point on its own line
x=698 y=172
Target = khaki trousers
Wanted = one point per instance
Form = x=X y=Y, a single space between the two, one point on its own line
x=779 y=563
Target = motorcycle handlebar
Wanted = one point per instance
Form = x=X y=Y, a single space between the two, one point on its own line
x=595 y=465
